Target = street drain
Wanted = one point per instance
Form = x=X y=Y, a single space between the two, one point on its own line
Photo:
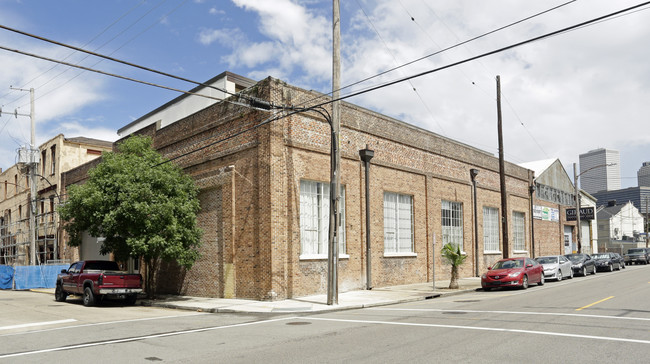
x=453 y=313
x=298 y=323
x=153 y=358
x=468 y=301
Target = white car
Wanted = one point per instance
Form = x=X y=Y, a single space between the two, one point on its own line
x=556 y=267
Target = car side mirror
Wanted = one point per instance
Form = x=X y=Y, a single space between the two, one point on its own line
x=489 y=268
x=64 y=271
x=528 y=265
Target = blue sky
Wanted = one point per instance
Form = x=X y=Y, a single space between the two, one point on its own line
x=562 y=96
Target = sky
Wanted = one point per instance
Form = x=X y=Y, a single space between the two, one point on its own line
x=561 y=96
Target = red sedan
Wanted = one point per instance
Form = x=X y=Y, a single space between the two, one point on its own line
x=513 y=272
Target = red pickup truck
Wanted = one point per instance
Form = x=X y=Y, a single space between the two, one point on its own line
x=96 y=279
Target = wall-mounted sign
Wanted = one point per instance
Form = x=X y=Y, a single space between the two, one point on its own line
x=546 y=213
x=586 y=213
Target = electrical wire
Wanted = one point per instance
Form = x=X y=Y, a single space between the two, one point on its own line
x=148 y=69
x=502 y=49
x=457 y=45
x=106 y=73
x=72 y=53
x=115 y=50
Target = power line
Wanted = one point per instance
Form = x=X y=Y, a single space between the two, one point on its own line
x=395 y=60
x=118 y=48
x=457 y=45
x=515 y=45
x=111 y=59
x=483 y=55
x=105 y=73
x=71 y=53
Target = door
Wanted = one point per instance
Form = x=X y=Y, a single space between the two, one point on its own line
x=568 y=241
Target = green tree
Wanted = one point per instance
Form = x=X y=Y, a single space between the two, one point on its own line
x=452 y=254
x=140 y=205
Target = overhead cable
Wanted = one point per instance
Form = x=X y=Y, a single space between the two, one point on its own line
x=515 y=45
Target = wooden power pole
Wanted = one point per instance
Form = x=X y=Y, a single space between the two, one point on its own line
x=502 y=176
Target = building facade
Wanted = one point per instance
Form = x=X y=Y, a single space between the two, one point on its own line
x=643 y=175
x=553 y=195
x=264 y=191
x=600 y=170
x=620 y=227
x=639 y=196
x=56 y=156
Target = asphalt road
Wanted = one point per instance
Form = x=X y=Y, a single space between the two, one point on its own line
x=601 y=318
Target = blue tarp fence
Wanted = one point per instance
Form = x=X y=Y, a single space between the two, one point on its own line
x=6 y=276
x=28 y=277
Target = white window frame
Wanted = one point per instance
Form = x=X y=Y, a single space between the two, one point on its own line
x=398 y=225
x=518 y=231
x=314 y=220
x=491 y=230
x=451 y=219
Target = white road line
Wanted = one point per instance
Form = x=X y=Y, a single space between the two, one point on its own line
x=102 y=323
x=512 y=312
x=130 y=339
x=32 y=324
x=547 y=333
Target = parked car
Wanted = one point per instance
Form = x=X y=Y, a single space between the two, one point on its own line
x=513 y=272
x=620 y=259
x=636 y=256
x=582 y=264
x=606 y=262
x=556 y=267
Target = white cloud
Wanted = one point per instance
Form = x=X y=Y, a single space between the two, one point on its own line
x=58 y=94
x=574 y=92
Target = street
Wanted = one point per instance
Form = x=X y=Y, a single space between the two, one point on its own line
x=602 y=317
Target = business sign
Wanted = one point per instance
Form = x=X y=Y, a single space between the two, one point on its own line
x=586 y=213
x=546 y=213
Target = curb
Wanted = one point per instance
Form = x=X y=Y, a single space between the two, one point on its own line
x=150 y=303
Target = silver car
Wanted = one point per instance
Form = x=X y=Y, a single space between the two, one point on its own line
x=556 y=267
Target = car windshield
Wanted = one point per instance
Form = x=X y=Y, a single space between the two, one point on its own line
x=600 y=256
x=635 y=251
x=575 y=257
x=546 y=260
x=508 y=264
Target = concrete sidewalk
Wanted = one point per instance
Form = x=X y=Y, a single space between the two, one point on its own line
x=318 y=303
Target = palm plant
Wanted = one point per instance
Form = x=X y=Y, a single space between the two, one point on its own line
x=452 y=254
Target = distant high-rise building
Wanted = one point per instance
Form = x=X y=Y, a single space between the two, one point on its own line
x=643 y=175
x=600 y=170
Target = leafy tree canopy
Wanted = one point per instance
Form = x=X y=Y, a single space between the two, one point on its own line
x=141 y=207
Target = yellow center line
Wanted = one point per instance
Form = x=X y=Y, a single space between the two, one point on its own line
x=595 y=303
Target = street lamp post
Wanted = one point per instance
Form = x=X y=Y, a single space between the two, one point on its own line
x=473 y=173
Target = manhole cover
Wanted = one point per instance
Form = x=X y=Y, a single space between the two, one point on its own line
x=298 y=323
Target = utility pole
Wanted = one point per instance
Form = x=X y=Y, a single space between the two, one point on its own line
x=335 y=175
x=33 y=162
x=502 y=176
x=575 y=184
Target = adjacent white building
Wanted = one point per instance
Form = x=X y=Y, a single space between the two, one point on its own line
x=600 y=170
x=619 y=227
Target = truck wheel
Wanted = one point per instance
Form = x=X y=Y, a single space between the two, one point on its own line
x=89 y=297
x=59 y=294
x=130 y=299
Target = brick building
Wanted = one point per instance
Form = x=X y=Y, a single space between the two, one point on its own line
x=56 y=156
x=264 y=186
x=554 y=193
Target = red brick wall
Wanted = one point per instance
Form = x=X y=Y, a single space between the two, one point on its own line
x=250 y=196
